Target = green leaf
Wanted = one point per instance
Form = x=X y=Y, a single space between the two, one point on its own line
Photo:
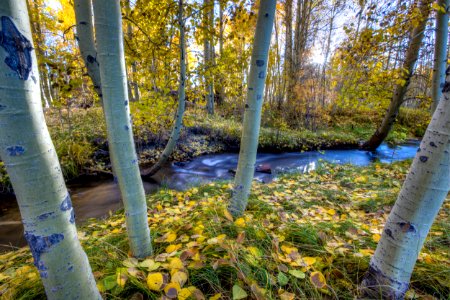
x=110 y=282
x=238 y=293
x=282 y=279
x=297 y=274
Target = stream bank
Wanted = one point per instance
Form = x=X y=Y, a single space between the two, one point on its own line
x=98 y=196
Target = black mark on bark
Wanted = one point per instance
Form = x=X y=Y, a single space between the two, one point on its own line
x=18 y=48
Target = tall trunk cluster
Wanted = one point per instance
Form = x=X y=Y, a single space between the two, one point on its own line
x=419 y=201
x=176 y=130
x=400 y=89
x=32 y=164
x=297 y=42
x=46 y=92
x=108 y=33
x=253 y=106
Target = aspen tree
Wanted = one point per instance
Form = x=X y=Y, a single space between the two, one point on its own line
x=411 y=55
x=422 y=195
x=440 y=52
x=86 y=41
x=32 y=164
x=109 y=37
x=253 y=106
x=176 y=130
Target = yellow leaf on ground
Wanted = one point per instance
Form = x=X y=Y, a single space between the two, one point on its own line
x=227 y=215
x=172 y=248
x=175 y=263
x=318 y=280
x=309 y=260
x=361 y=179
x=170 y=237
x=255 y=251
x=287 y=296
x=366 y=252
x=179 y=277
x=376 y=237
x=331 y=212
x=122 y=276
x=185 y=293
x=155 y=281
x=216 y=297
x=172 y=289
x=288 y=250
x=240 y=222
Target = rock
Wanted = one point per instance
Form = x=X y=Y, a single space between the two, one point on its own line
x=264 y=168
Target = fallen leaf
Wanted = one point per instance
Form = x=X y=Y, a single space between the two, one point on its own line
x=239 y=293
x=287 y=296
x=282 y=279
x=318 y=280
x=179 y=277
x=172 y=289
x=297 y=274
x=155 y=281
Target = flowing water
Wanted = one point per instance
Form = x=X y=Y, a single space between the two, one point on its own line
x=97 y=198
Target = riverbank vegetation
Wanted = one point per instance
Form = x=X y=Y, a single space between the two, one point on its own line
x=80 y=139
x=304 y=235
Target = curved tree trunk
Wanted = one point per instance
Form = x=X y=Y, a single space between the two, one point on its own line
x=176 y=130
x=440 y=53
x=108 y=29
x=32 y=164
x=86 y=42
x=400 y=89
x=417 y=205
x=253 y=106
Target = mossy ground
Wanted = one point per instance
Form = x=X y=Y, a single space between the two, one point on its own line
x=303 y=236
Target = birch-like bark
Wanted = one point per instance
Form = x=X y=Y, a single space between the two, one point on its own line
x=417 y=205
x=108 y=29
x=253 y=106
x=176 y=130
x=440 y=53
x=220 y=88
x=208 y=46
x=32 y=164
x=412 y=53
x=86 y=42
x=133 y=83
x=288 y=62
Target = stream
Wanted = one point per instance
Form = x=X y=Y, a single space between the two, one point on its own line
x=97 y=198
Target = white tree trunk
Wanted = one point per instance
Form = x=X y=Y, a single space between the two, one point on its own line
x=208 y=48
x=176 y=130
x=440 y=53
x=417 y=205
x=253 y=106
x=86 y=42
x=108 y=29
x=32 y=164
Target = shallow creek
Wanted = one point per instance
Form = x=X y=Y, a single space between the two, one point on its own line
x=96 y=198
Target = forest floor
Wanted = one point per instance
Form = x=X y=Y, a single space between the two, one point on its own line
x=303 y=236
x=80 y=137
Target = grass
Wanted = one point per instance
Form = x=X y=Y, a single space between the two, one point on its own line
x=80 y=140
x=294 y=229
